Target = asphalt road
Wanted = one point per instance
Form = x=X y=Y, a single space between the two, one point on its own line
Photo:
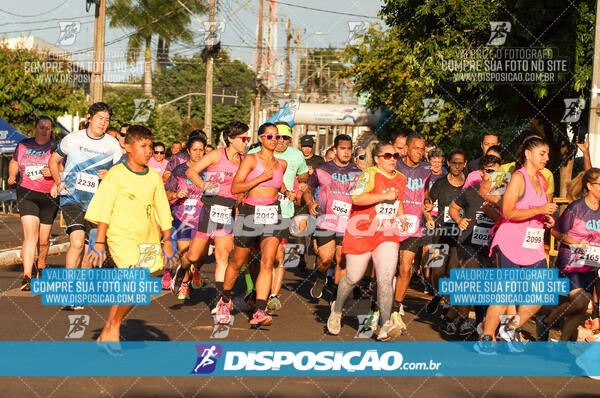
x=301 y=319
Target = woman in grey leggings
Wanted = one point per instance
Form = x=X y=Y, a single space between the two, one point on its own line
x=377 y=217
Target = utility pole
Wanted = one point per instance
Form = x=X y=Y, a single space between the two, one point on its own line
x=98 y=66
x=288 y=39
x=209 y=74
x=594 y=126
x=306 y=70
x=189 y=104
x=258 y=71
x=298 y=60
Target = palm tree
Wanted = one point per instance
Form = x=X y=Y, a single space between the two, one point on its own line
x=165 y=18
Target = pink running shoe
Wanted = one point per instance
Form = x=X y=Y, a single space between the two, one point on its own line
x=223 y=312
x=166 y=280
x=261 y=318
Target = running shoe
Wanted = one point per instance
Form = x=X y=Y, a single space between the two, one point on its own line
x=177 y=279
x=486 y=345
x=26 y=283
x=512 y=338
x=428 y=287
x=261 y=318
x=334 y=322
x=273 y=305
x=216 y=308
x=372 y=320
x=543 y=329
x=317 y=290
x=72 y=307
x=466 y=329
x=184 y=291
x=388 y=332
x=396 y=319
x=196 y=278
x=433 y=304
x=449 y=328
x=224 y=311
x=166 y=280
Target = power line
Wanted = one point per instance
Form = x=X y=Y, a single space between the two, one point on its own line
x=48 y=20
x=36 y=15
x=329 y=11
x=38 y=29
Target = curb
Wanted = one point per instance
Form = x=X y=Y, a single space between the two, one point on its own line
x=13 y=256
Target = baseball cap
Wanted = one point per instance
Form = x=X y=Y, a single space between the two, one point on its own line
x=307 y=140
x=284 y=129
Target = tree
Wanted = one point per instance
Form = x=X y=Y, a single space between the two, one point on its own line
x=403 y=65
x=324 y=66
x=189 y=75
x=31 y=84
x=149 y=17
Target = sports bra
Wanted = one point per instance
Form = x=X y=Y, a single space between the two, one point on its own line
x=274 y=182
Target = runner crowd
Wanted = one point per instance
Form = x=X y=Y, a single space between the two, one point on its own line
x=377 y=219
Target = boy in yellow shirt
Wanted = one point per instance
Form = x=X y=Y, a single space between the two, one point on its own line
x=127 y=207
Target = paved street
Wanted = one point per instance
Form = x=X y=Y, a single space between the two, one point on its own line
x=301 y=319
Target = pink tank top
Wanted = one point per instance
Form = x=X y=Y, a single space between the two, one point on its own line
x=522 y=242
x=219 y=177
x=274 y=182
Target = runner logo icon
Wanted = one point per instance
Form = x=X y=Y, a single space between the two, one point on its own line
x=77 y=324
x=207 y=358
x=499 y=31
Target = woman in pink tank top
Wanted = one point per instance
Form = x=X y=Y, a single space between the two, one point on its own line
x=218 y=210
x=519 y=240
x=260 y=177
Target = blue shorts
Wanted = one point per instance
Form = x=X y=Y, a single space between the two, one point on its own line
x=581 y=280
x=182 y=231
x=506 y=263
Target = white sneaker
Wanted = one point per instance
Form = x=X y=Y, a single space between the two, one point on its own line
x=389 y=331
x=334 y=322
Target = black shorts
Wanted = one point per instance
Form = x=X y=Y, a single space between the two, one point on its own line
x=219 y=204
x=413 y=244
x=247 y=232
x=324 y=236
x=581 y=280
x=480 y=253
x=74 y=216
x=38 y=204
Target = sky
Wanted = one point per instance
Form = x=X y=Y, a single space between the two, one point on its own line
x=42 y=18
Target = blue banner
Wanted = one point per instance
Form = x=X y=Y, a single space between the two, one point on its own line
x=280 y=358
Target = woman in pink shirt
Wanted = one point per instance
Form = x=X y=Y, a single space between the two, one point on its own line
x=158 y=161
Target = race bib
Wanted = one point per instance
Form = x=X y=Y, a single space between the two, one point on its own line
x=265 y=215
x=534 y=238
x=86 y=182
x=34 y=172
x=435 y=207
x=220 y=214
x=481 y=218
x=480 y=236
x=591 y=256
x=411 y=223
x=387 y=211
x=447 y=218
x=341 y=208
x=189 y=206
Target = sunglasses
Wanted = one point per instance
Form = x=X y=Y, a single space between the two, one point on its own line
x=244 y=138
x=122 y=134
x=361 y=157
x=159 y=152
x=286 y=137
x=388 y=156
x=489 y=171
x=271 y=136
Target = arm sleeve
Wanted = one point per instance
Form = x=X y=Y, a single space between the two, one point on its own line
x=63 y=146
x=161 y=204
x=565 y=222
x=103 y=201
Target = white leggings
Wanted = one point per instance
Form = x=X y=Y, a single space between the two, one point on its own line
x=385 y=261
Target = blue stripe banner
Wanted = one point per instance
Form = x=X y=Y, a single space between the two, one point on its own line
x=307 y=358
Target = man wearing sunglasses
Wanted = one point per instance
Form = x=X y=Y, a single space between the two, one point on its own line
x=158 y=161
x=296 y=167
x=418 y=174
